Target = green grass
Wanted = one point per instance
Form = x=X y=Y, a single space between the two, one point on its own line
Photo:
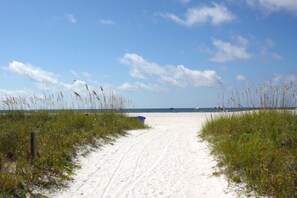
x=258 y=148
x=59 y=136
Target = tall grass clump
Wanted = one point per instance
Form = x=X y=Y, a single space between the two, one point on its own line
x=60 y=135
x=268 y=95
x=259 y=147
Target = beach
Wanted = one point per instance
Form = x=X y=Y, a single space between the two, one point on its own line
x=166 y=160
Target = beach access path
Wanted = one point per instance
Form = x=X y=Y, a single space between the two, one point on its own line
x=166 y=160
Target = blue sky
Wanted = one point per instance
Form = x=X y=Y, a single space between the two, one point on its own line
x=173 y=53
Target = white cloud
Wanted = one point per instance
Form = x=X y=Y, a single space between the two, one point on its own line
x=275 y=5
x=84 y=89
x=48 y=86
x=32 y=72
x=15 y=99
x=229 y=52
x=240 y=78
x=107 y=22
x=80 y=87
x=48 y=81
x=127 y=87
x=16 y=93
x=276 y=57
x=86 y=74
x=139 y=66
x=206 y=78
x=215 y=14
x=270 y=55
x=140 y=86
x=179 y=76
x=71 y=18
x=184 y=1
x=284 y=78
x=266 y=53
x=77 y=85
x=242 y=41
x=83 y=74
x=269 y=43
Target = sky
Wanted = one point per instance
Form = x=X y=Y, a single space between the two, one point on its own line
x=157 y=54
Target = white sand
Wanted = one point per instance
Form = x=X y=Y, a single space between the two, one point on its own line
x=167 y=160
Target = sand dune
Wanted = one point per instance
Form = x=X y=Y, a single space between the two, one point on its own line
x=167 y=160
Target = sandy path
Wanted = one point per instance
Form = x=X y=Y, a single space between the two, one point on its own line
x=164 y=161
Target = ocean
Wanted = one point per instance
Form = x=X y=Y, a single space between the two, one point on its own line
x=159 y=110
x=181 y=110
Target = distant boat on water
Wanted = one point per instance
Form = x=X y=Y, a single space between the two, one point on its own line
x=220 y=109
x=172 y=109
x=197 y=109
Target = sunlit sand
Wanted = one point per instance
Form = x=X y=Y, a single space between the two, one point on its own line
x=167 y=160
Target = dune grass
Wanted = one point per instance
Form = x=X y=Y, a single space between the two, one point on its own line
x=259 y=148
x=58 y=139
x=62 y=131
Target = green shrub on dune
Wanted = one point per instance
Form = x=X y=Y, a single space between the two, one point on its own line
x=58 y=138
x=60 y=135
x=259 y=147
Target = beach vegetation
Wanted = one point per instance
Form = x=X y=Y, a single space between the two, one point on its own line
x=259 y=148
x=60 y=135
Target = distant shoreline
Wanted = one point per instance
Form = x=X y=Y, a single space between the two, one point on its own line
x=159 y=110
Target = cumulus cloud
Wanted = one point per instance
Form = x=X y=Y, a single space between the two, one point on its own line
x=179 y=76
x=34 y=73
x=242 y=41
x=15 y=98
x=71 y=18
x=275 y=5
x=206 y=78
x=269 y=43
x=83 y=88
x=284 y=78
x=140 y=86
x=184 y=1
x=266 y=53
x=47 y=79
x=215 y=14
x=139 y=66
x=16 y=92
x=77 y=85
x=240 y=78
x=83 y=74
x=271 y=55
x=229 y=52
x=107 y=22
x=48 y=86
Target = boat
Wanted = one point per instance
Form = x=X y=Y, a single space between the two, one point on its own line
x=172 y=109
